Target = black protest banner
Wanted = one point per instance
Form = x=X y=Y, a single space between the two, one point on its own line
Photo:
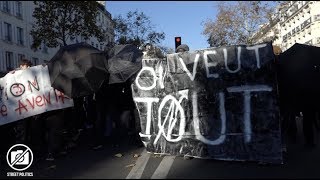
x=219 y=103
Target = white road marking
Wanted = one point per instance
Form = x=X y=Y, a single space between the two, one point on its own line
x=137 y=170
x=163 y=168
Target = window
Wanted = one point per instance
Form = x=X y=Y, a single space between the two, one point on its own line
x=309 y=31
x=7 y=31
x=35 y=61
x=294 y=9
x=309 y=42
x=30 y=41
x=107 y=38
x=302 y=25
x=45 y=49
x=6 y=6
x=19 y=9
x=92 y=44
x=307 y=22
x=101 y=18
x=99 y=15
x=20 y=36
x=316 y=17
x=20 y=57
x=9 y=60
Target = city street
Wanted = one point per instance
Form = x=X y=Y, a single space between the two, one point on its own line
x=83 y=162
x=222 y=85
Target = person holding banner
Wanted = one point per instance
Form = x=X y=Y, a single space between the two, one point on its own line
x=47 y=132
x=21 y=127
x=182 y=48
x=24 y=64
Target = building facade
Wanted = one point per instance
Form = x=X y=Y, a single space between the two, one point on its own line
x=295 y=22
x=15 y=40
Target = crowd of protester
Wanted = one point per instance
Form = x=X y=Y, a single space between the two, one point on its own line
x=104 y=118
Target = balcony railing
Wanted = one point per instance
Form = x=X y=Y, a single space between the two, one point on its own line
x=288 y=11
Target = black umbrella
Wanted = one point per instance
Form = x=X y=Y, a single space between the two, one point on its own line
x=299 y=72
x=78 y=69
x=300 y=65
x=125 y=62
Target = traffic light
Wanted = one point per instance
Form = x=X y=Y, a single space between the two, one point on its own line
x=177 y=41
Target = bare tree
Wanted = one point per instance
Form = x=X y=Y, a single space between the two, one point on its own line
x=236 y=22
x=136 y=28
x=58 y=21
x=166 y=50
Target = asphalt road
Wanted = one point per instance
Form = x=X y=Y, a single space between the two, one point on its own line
x=83 y=162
